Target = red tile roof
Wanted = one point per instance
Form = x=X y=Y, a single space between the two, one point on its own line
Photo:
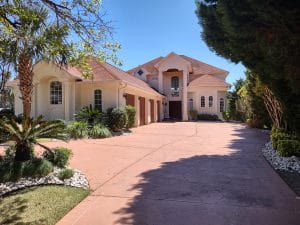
x=198 y=66
x=208 y=81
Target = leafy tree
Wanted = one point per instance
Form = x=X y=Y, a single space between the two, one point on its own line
x=264 y=36
x=62 y=31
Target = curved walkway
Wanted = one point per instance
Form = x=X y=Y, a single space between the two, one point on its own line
x=181 y=173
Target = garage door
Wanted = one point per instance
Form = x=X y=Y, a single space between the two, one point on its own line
x=152 y=110
x=130 y=99
x=142 y=111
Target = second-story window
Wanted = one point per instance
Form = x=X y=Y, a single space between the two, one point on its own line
x=210 y=101
x=202 y=101
x=175 y=86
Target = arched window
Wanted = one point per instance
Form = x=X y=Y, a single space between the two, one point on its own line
x=191 y=104
x=98 y=99
x=210 y=101
x=55 y=93
x=175 y=86
x=221 y=104
x=202 y=101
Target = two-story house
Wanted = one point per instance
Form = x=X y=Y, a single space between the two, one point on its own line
x=166 y=87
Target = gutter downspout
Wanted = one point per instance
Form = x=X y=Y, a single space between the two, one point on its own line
x=125 y=85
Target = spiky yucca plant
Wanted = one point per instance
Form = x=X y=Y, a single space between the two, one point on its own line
x=26 y=134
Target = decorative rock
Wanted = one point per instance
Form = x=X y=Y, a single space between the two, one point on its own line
x=290 y=164
x=77 y=180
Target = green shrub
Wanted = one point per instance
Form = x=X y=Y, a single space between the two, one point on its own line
x=8 y=113
x=9 y=153
x=277 y=135
x=130 y=113
x=193 y=114
x=116 y=119
x=37 y=167
x=210 y=117
x=11 y=171
x=89 y=115
x=288 y=148
x=226 y=116
x=59 y=156
x=99 y=131
x=65 y=174
x=77 y=129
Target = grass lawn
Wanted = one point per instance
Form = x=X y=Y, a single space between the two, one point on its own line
x=39 y=205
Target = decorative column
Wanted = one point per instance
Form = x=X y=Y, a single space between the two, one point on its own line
x=66 y=100
x=160 y=82
x=184 y=97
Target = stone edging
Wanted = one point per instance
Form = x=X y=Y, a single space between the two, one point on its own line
x=289 y=164
x=78 y=180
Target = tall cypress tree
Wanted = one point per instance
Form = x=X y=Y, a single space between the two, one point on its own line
x=265 y=37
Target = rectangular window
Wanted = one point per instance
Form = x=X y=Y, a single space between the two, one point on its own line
x=55 y=93
x=191 y=104
x=210 y=101
x=202 y=101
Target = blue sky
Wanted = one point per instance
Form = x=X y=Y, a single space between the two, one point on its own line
x=147 y=29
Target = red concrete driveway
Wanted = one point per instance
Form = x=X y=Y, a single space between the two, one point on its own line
x=182 y=173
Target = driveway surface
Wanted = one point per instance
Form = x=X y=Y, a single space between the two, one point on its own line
x=183 y=173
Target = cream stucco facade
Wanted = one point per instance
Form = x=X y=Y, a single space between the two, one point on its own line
x=164 y=88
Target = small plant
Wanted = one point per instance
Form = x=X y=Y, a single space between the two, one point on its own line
x=26 y=134
x=58 y=156
x=11 y=171
x=77 y=129
x=37 y=167
x=287 y=148
x=65 y=174
x=116 y=119
x=99 y=131
x=89 y=115
x=210 y=117
x=226 y=115
x=193 y=114
x=130 y=113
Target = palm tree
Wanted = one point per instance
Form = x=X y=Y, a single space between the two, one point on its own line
x=26 y=134
x=31 y=40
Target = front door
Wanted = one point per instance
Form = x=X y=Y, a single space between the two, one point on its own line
x=175 y=110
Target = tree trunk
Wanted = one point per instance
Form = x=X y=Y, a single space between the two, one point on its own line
x=24 y=151
x=25 y=75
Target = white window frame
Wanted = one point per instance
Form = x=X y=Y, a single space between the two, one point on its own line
x=56 y=92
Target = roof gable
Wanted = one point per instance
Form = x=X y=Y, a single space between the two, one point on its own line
x=208 y=81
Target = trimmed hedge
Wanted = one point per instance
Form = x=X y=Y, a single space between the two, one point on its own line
x=277 y=135
x=209 y=117
x=116 y=119
x=288 y=148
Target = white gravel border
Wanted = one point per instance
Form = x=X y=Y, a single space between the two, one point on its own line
x=77 y=180
x=290 y=164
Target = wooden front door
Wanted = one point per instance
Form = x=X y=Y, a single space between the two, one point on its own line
x=175 y=110
x=158 y=110
x=130 y=99
x=152 y=110
x=142 y=111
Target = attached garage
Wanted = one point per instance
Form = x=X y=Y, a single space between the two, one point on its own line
x=142 y=110
x=152 y=110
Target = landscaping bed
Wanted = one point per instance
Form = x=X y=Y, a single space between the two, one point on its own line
x=39 y=205
x=287 y=167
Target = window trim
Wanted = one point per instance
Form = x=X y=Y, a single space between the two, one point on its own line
x=175 y=88
x=202 y=100
x=98 y=105
x=222 y=107
x=56 y=92
x=210 y=101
